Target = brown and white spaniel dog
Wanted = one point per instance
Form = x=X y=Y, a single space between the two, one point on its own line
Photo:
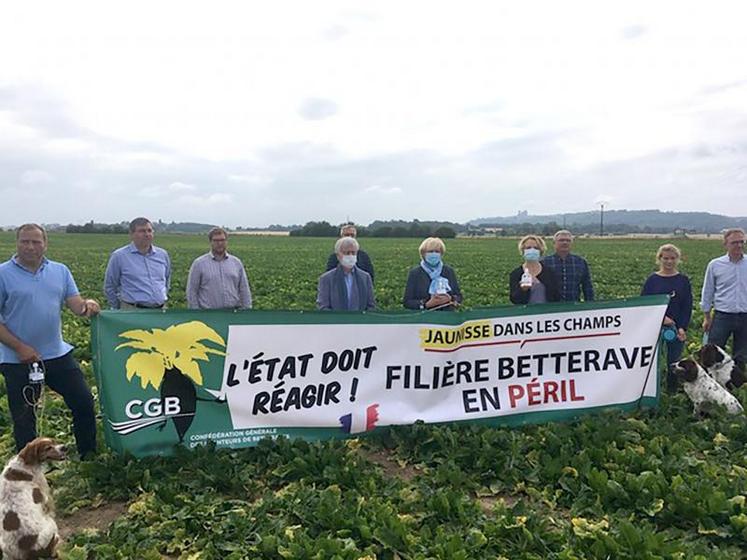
x=702 y=388
x=722 y=367
x=28 y=528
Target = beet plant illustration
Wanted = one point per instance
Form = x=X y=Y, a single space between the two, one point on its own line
x=168 y=360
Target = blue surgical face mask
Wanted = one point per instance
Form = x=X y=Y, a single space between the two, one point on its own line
x=531 y=255
x=433 y=258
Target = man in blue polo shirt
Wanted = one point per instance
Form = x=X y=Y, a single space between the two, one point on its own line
x=138 y=275
x=33 y=290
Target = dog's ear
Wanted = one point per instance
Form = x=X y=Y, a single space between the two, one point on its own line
x=688 y=370
x=710 y=354
x=35 y=452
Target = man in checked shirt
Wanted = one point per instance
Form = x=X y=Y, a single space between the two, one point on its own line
x=571 y=270
x=218 y=280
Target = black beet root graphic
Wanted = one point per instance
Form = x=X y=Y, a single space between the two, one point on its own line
x=176 y=384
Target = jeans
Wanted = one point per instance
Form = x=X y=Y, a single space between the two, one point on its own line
x=674 y=352
x=62 y=375
x=730 y=324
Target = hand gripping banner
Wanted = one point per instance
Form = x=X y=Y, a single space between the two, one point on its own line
x=191 y=377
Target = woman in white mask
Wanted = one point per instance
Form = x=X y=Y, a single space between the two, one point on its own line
x=432 y=284
x=346 y=287
x=531 y=282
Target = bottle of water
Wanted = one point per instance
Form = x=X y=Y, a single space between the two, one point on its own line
x=442 y=285
x=36 y=374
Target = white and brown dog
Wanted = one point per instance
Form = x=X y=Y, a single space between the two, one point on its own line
x=28 y=527
x=702 y=388
x=722 y=367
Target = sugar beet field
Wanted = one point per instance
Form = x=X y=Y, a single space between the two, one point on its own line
x=652 y=484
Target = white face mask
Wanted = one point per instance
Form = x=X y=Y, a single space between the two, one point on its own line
x=348 y=261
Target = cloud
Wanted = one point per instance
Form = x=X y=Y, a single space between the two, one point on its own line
x=316 y=108
x=170 y=190
x=36 y=176
x=211 y=199
x=634 y=31
x=335 y=32
x=378 y=189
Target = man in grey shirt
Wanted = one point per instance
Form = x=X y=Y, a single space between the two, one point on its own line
x=218 y=280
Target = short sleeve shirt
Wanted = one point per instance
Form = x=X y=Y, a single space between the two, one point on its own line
x=30 y=307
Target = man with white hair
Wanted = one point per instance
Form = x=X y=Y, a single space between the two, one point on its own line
x=346 y=287
x=364 y=261
x=571 y=270
x=724 y=296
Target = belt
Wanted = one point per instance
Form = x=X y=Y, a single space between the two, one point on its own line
x=144 y=305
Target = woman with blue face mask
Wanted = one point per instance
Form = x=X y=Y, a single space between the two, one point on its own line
x=432 y=284
x=531 y=282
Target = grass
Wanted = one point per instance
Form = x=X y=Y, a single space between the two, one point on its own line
x=652 y=484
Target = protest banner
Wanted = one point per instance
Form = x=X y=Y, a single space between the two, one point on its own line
x=192 y=377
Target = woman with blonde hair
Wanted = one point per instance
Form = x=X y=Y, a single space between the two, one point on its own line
x=432 y=284
x=668 y=280
x=531 y=282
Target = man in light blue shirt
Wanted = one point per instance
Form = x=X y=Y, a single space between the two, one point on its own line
x=138 y=275
x=33 y=290
x=725 y=292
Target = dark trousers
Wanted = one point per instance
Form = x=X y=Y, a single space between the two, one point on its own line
x=63 y=376
x=726 y=325
x=674 y=353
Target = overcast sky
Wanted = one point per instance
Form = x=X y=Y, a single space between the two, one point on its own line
x=257 y=113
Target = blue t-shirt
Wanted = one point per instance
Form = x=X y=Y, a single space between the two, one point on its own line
x=30 y=306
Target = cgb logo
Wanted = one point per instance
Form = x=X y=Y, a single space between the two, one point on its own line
x=152 y=408
x=154 y=411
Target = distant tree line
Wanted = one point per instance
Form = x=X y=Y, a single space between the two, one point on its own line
x=91 y=227
x=412 y=229
x=548 y=229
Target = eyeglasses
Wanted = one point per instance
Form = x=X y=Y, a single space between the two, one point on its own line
x=736 y=242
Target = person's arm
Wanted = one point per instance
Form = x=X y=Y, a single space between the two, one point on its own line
x=368 y=266
x=193 y=285
x=706 y=296
x=687 y=304
x=323 y=300
x=456 y=292
x=646 y=289
x=371 y=304
x=245 y=292
x=586 y=286
x=26 y=354
x=411 y=299
x=552 y=286
x=168 y=274
x=111 y=281
x=73 y=299
x=83 y=307
x=516 y=294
